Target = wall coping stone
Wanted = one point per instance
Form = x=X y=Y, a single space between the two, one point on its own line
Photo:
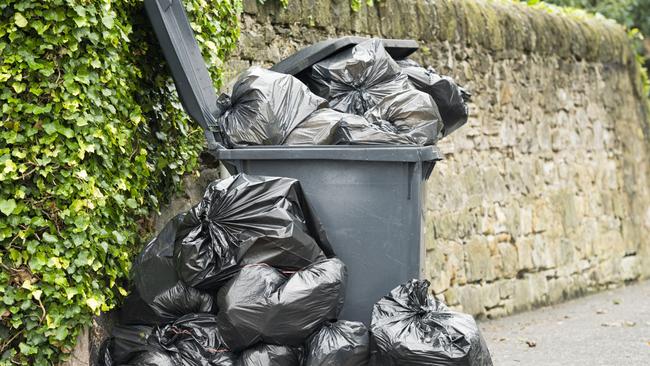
x=496 y=25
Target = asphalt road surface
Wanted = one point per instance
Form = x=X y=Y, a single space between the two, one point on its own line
x=611 y=328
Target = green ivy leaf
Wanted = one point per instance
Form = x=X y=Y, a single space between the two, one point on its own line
x=20 y=20
x=93 y=304
x=49 y=238
x=19 y=87
x=108 y=21
x=7 y=206
x=119 y=237
x=131 y=203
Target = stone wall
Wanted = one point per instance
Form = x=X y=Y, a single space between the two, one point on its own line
x=544 y=194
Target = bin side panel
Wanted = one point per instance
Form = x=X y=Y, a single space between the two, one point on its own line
x=372 y=214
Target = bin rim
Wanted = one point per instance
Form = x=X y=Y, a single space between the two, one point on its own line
x=397 y=153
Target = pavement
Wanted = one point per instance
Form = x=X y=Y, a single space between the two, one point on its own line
x=610 y=328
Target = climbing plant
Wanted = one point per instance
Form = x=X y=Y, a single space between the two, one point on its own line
x=92 y=137
x=630 y=13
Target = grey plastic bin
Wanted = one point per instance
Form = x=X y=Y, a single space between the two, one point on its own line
x=369 y=198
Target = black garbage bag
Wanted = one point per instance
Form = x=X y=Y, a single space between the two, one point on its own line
x=449 y=96
x=413 y=113
x=323 y=127
x=261 y=304
x=150 y=358
x=194 y=340
x=341 y=343
x=132 y=345
x=329 y=127
x=104 y=357
x=358 y=131
x=128 y=340
x=247 y=219
x=265 y=107
x=159 y=297
x=263 y=354
x=410 y=327
x=356 y=79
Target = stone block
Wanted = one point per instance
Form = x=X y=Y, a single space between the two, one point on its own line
x=445 y=227
x=525 y=254
x=565 y=252
x=506 y=288
x=490 y=295
x=452 y=296
x=470 y=300
x=542 y=216
x=538 y=285
x=467 y=223
x=437 y=271
x=543 y=252
x=454 y=262
x=509 y=260
x=630 y=268
x=478 y=261
x=558 y=290
x=526 y=220
x=523 y=297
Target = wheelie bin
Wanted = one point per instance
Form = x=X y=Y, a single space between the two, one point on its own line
x=369 y=198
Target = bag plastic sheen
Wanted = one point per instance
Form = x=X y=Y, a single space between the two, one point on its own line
x=261 y=304
x=450 y=98
x=265 y=107
x=243 y=220
x=355 y=80
x=410 y=327
x=341 y=343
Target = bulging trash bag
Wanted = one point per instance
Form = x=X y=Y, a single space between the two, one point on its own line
x=170 y=304
x=194 y=340
x=158 y=296
x=323 y=127
x=247 y=219
x=263 y=354
x=265 y=107
x=131 y=345
x=413 y=113
x=128 y=340
x=450 y=98
x=341 y=343
x=261 y=304
x=410 y=327
x=356 y=79
x=358 y=131
x=329 y=127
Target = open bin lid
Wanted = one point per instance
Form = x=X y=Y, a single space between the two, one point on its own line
x=306 y=57
x=191 y=77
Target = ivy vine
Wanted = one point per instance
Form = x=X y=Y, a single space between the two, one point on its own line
x=92 y=136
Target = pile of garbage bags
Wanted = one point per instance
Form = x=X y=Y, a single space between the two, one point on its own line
x=359 y=96
x=247 y=277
